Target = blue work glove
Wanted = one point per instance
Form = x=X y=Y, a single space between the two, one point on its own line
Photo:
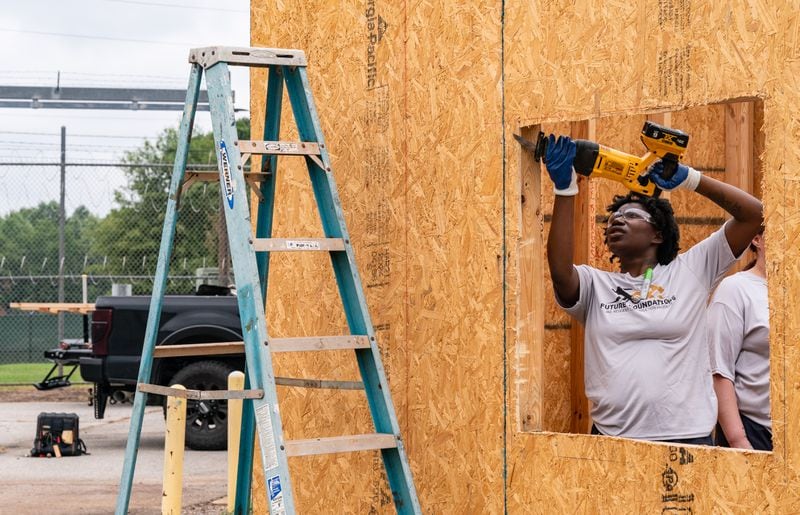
x=558 y=159
x=685 y=177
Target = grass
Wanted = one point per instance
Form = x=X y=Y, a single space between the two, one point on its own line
x=27 y=373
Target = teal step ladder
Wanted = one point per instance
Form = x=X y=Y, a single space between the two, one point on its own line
x=250 y=257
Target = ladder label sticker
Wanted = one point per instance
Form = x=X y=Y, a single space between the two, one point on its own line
x=276 y=506
x=267 y=437
x=302 y=245
x=281 y=146
x=227 y=180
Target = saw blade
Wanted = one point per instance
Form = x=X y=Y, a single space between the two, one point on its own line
x=526 y=144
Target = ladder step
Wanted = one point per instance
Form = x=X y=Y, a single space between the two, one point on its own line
x=192 y=176
x=326 y=384
x=298 y=244
x=315 y=343
x=350 y=443
x=279 y=148
x=199 y=395
x=294 y=344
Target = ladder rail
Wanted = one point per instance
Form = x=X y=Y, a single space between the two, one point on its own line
x=264 y=221
x=237 y=217
x=352 y=294
x=159 y=287
x=266 y=206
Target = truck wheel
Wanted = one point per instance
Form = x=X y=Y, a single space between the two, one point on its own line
x=206 y=420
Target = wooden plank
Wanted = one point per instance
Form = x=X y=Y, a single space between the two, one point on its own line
x=293 y=344
x=584 y=219
x=739 y=161
x=739 y=156
x=200 y=395
x=530 y=306
x=331 y=445
x=298 y=244
x=82 y=308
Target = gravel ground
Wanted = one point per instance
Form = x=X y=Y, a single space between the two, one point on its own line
x=81 y=393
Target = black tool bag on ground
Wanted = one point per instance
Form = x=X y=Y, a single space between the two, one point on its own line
x=57 y=435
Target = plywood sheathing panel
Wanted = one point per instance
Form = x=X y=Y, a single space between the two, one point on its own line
x=423 y=201
x=303 y=299
x=442 y=312
x=710 y=53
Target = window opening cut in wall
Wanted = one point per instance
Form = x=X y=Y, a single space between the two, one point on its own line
x=549 y=377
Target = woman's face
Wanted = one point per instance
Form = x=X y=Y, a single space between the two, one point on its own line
x=630 y=231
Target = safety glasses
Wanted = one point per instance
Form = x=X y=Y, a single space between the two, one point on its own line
x=631 y=214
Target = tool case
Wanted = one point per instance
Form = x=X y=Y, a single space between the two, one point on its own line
x=57 y=434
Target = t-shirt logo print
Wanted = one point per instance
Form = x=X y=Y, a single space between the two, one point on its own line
x=654 y=292
x=627 y=300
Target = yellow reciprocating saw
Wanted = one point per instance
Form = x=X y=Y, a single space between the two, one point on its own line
x=594 y=160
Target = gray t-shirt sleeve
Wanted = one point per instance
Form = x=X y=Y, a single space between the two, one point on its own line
x=579 y=309
x=725 y=331
x=710 y=259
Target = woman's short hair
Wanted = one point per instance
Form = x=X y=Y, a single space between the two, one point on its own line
x=663 y=220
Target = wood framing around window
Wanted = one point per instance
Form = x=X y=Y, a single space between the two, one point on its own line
x=530 y=315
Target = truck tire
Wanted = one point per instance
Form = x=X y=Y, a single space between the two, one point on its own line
x=206 y=420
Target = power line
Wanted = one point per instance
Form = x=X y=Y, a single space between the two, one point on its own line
x=179 y=6
x=151 y=114
x=108 y=136
x=77 y=78
x=33 y=133
x=73 y=135
x=104 y=38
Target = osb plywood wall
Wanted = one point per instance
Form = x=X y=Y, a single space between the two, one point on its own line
x=410 y=103
x=418 y=103
x=613 y=64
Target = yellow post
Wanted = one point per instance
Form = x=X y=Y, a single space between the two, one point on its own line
x=235 y=382
x=173 y=455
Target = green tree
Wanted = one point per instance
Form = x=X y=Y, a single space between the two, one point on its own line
x=29 y=247
x=128 y=239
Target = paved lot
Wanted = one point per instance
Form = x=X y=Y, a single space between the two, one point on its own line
x=88 y=484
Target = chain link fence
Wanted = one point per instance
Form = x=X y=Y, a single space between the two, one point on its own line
x=45 y=255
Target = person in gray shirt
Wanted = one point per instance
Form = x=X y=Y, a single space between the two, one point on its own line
x=647 y=369
x=738 y=333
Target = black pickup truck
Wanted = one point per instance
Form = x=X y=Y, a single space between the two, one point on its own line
x=112 y=362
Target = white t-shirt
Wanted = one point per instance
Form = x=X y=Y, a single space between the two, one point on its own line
x=738 y=331
x=647 y=369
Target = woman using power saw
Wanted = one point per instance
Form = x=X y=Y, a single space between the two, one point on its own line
x=647 y=371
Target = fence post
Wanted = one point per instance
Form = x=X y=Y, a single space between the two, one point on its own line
x=173 y=454
x=62 y=220
x=235 y=382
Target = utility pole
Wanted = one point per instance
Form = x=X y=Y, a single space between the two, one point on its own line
x=61 y=228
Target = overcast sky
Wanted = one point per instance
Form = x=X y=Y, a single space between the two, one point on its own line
x=99 y=43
